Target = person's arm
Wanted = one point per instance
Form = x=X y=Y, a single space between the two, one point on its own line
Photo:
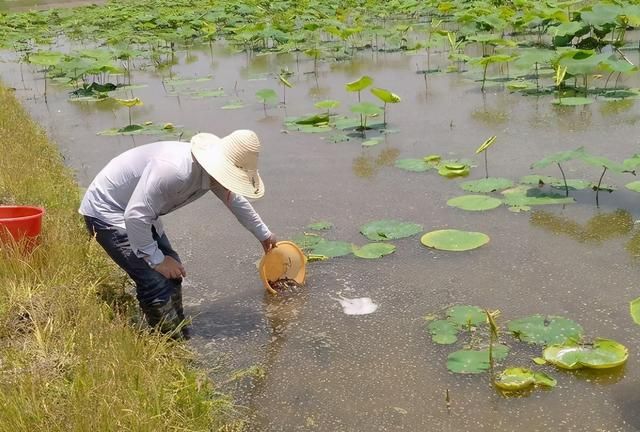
x=246 y=215
x=149 y=197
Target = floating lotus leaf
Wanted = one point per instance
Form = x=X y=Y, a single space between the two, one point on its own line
x=537 y=179
x=572 y=101
x=542 y=330
x=527 y=196
x=463 y=316
x=454 y=170
x=315 y=120
x=539 y=360
x=443 y=332
x=454 y=240
x=233 y=105
x=433 y=158
x=520 y=378
x=360 y=84
x=485 y=185
x=130 y=102
x=374 y=250
x=183 y=81
x=574 y=184
x=634 y=308
x=201 y=94
x=414 y=165
x=603 y=354
x=320 y=225
x=634 y=186
x=559 y=157
x=371 y=142
x=331 y=248
x=145 y=129
x=307 y=241
x=474 y=361
x=389 y=229
x=474 y=202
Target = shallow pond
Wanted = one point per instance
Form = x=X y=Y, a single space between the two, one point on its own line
x=330 y=371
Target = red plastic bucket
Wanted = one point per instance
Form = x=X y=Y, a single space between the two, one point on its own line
x=20 y=222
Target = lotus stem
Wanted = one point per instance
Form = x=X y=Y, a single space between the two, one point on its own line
x=486 y=164
x=566 y=187
x=384 y=115
x=484 y=76
x=129 y=116
x=598 y=187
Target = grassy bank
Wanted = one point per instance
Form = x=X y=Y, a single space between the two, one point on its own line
x=70 y=360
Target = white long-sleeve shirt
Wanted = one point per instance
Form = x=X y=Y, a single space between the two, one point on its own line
x=137 y=187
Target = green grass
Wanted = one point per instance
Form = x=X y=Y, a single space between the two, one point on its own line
x=70 y=358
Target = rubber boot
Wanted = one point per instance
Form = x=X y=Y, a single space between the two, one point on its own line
x=162 y=316
x=176 y=300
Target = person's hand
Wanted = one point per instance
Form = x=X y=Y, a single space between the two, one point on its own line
x=170 y=268
x=269 y=243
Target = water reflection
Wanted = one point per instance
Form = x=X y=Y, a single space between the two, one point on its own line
x=367 y=166
x=600 y=227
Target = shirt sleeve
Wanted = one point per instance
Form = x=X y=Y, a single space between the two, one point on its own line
x=149 y=197
x=242 y=210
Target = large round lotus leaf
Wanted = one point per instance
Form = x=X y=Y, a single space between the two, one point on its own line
x=443 y=332
x=542 y=330
x=414 y=165
x=374 y=250
x=454 y=170
x=474 y=361
x=515 y=379
x=389 y=229
x=474 y=202
x=464 y=316
x=537 y=180
x=575 y=184
x=454 y=240
x=604 y=353
x=528 y=196
x=485 y=185
x=331 y=248
x=634 y=186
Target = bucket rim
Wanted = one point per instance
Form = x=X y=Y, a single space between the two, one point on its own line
x=40 y=211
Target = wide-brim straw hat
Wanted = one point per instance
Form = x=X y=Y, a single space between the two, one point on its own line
x=232 y=160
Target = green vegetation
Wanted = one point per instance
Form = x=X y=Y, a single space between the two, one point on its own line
x=69 y=357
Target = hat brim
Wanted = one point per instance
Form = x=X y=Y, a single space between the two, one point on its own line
x=208 y=150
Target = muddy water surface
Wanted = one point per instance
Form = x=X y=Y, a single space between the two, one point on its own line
x=328 y=371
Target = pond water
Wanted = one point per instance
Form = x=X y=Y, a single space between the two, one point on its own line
x=329 y=371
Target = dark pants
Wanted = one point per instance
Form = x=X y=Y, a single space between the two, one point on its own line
x=160 y=298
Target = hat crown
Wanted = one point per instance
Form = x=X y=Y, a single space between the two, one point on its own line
x=242 y=148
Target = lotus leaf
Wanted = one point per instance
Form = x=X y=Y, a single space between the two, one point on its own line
x=443 y=332
x=366 y=108
x=542 y=330
x=233 y=105
x=474 y=361
x=537 y=180
x=485 y=185
x=603 y=354
x=454 y=240
x=385 y=95
x=174 y=82
x=359 y=84
x=485 y=145
x=315 y=120
x=130 y=102
x=320 y=225
x=520 y=378
x=327 y=104
x=634 y=308
x=331 y=248
x=267 y=95
x=559 y=157
x=474 y=202
x=414 y=165
x=539 y=360
x=634 y=186
x=145 y=129
x=284 y=81
x=389 y=229
x=454 y=170
x=306 y=240
x=526 y=196
x=46 y=58
x=374 y=250
x=371 y=142
x=433 y=158
x=574 y=184
x=464 y=316
x=572 y=101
